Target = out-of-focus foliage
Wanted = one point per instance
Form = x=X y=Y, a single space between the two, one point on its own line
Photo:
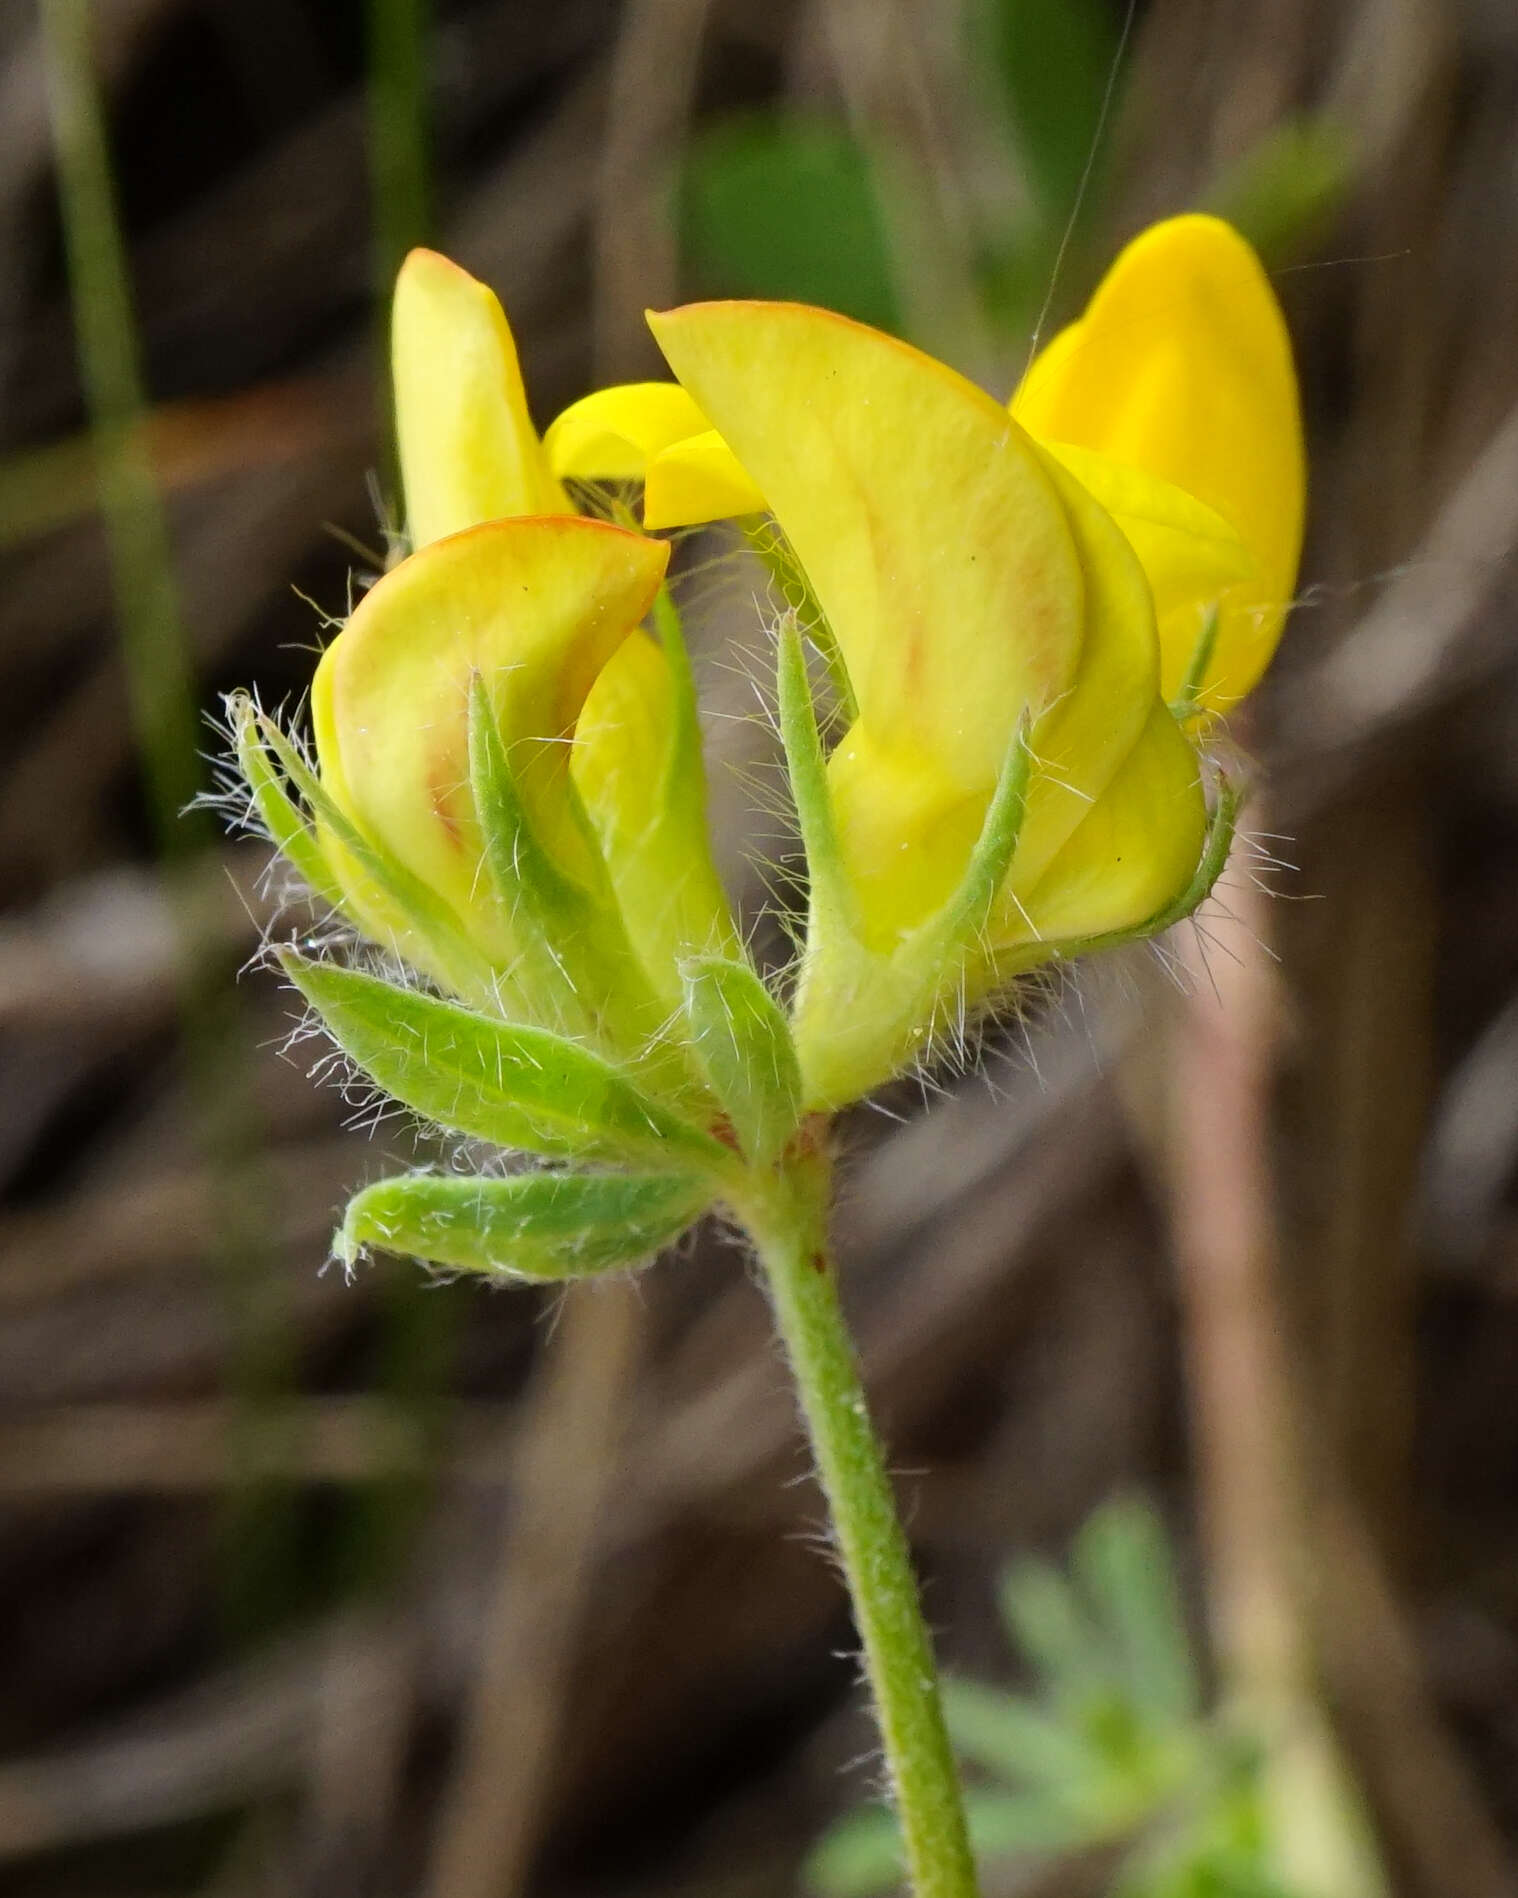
x=1286 y=184
x=1114 y=1748
x=778 y=205
x=789 y=207
x=1051 y=63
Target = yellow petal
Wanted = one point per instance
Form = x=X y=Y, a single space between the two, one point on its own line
x=611 y=434
x=695 y=481
x=906 y=829
x=925 y=523
x=1181 y=368
x=536 y=608
x=1083 y=739
x=468 y=450
x=649 y=815
x=1134 y=852
x=1190 y=555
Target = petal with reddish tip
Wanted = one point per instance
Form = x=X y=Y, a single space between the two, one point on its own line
x=468 y=449
x=536 y=608
x=925 y=523
x=1181 y=368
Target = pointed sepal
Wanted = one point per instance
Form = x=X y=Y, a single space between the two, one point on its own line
x=289 y=829
x=744 y=1046
x=574 y=966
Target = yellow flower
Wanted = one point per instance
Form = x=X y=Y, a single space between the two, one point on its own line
x=536 y=610
x=1172 y=400
x=984 y=607
x=1024 y=630
x=513 y=606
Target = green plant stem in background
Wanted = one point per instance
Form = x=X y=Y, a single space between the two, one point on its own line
x=399 y=172
x=398 y=132
x=788 y=1224
x=160 y=679
x=158 y=670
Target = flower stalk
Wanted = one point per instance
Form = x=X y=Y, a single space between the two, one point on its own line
x=787 y=1219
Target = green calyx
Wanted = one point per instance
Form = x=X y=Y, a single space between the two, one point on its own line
x=864 y=1014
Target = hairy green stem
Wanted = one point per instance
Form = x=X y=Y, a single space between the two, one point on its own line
x=788 y=1222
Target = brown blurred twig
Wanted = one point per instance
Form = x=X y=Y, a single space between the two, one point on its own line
x=494 y=1809
x=1247 y=1424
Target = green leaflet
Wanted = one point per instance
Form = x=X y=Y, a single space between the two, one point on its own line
x=495 y=1080
x=745 y=1049
x=1122 y=1560
x=531 y=1225
x=1049 y=1622
x=1016 y=1739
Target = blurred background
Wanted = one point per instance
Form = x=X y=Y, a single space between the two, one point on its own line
x=309 y=1586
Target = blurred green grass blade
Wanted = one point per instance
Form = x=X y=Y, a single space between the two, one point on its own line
x=258 y=1573
x=400 y=175
x=787 y=207
x=1014 y=274
x=399 y=147
x=1123 y=1561
x=160 y=676
x=1051 y=62
x=545 y=1226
